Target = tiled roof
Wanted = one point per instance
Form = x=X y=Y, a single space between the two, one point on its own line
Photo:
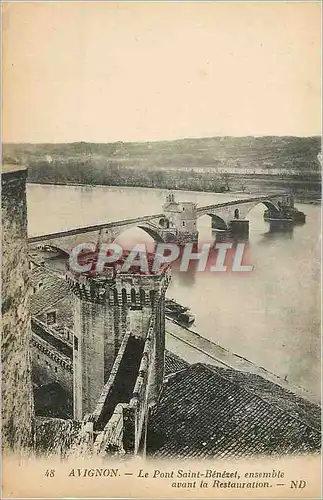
x=53 y=289
x=203 y=414
x=174 y=363
x=295 y=405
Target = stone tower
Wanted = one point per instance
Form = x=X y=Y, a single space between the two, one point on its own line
x=179 y=222
x=17 y=397
x=106 y=307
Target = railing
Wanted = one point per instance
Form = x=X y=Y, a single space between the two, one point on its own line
x=51 y=337
x=51 y=352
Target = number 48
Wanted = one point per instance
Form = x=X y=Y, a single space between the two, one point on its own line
x=50 y=473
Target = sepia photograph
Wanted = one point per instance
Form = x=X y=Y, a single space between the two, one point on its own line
x=161 y=249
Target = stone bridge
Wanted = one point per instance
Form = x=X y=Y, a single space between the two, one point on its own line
x=177 y=222
x=64 y=241
x=223 y=214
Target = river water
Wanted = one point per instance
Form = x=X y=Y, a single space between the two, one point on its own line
x=270 y=316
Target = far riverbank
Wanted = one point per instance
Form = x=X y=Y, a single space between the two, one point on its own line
x=304 y=192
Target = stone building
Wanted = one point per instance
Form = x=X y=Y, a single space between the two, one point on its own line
x=102 y=341
x=118 y=347
x=179 y=222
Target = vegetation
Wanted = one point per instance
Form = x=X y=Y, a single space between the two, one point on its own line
x=210 y=164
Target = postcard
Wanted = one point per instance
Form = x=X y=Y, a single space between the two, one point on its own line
x=161 y=232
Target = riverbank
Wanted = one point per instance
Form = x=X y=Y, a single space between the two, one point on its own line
x=193 y=348
x=301 y=193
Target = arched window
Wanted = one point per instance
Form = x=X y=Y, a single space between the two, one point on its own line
x=142 y=297
x=124 y=296
x=152 y=296
x=236 y=213
x=115 y=296
x=133 y=296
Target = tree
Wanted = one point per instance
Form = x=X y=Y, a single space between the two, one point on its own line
x=225 y=178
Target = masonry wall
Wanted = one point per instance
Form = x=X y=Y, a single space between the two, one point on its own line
x=47 y=366
x=64 y=316
x=17 y=399
x=103 y=314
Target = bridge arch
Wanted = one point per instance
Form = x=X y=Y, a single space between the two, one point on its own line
x=273 y=209
x=217 y=221
x=121 y=231
x=48 y=247
x=151 y=232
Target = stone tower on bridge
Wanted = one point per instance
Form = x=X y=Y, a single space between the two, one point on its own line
x=179 y=221
x=108 y=309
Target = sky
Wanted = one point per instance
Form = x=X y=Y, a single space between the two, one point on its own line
x=106 y=72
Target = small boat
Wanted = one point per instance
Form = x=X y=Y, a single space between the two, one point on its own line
x=177 y=312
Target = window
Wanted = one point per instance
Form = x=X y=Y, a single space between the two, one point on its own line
x=152 y=296
x=55 y=368
x=76 y=343
x=40 y=284
x=183 y=223
x=51 y=318
x=34 y=289
x=133 y=296
x=142 y=297
x=124 y=295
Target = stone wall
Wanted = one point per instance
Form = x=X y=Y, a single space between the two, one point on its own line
x=49 y=365
x=64 y=316
x=17 y=399
x=56 y=437
x=104 y=310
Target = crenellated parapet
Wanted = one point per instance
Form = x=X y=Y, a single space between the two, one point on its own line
x=115 y=288
x=52 y=353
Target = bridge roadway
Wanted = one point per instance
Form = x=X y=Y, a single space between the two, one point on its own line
x=147 y=218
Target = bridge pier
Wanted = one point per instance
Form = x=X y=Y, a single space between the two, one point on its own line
x=239 y=229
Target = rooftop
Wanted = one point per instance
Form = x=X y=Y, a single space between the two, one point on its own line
x=205 y=413
x=11 y=167
x=51 y=288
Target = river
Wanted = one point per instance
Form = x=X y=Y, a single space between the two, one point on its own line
x=270 y=316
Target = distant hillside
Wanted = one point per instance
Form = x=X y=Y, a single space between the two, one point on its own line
x=213 y=152
x=210 y=164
